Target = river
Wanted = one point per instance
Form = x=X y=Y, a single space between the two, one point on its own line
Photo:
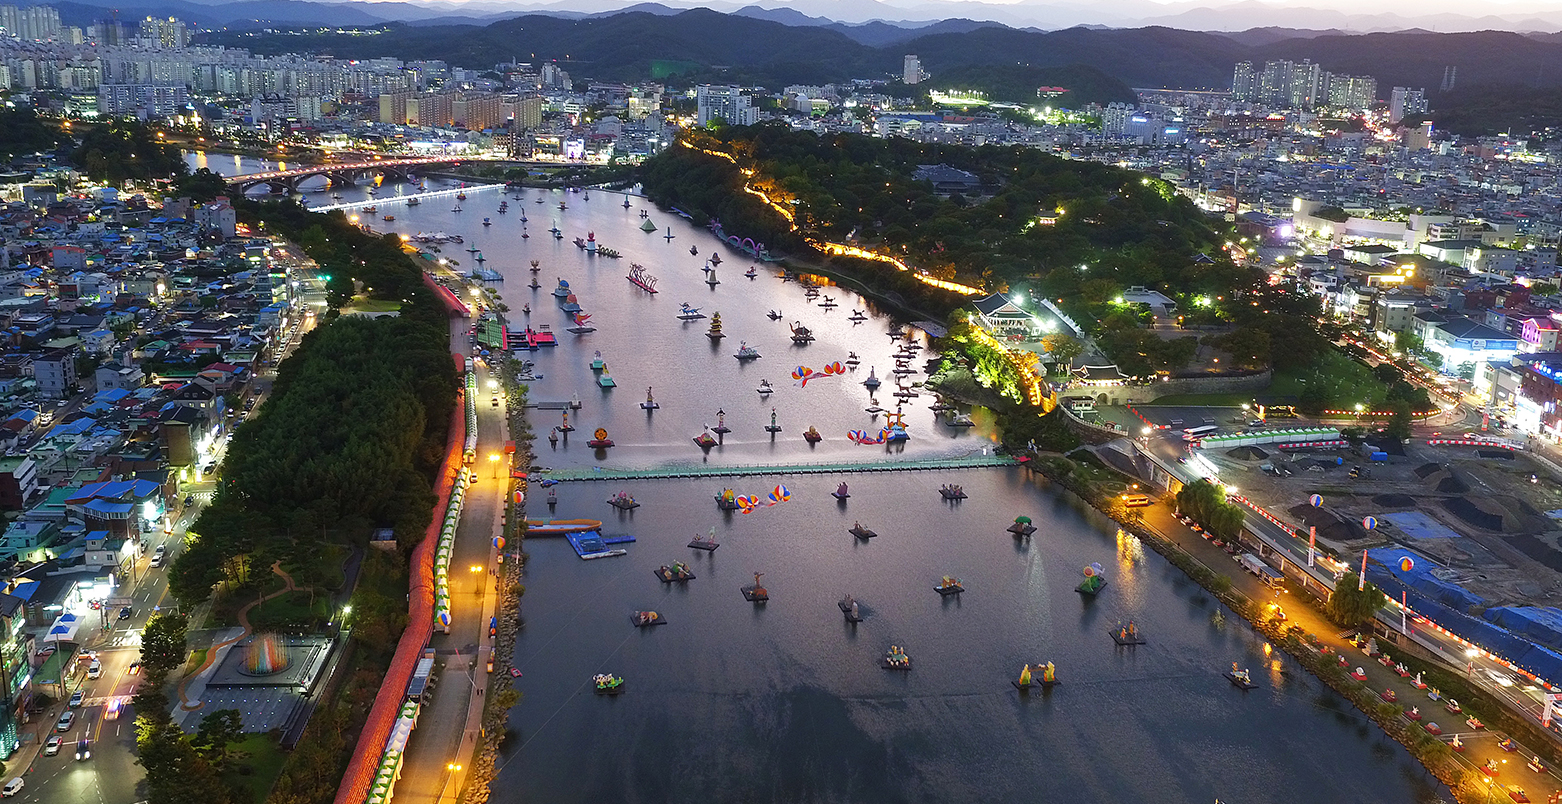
x=785 y=702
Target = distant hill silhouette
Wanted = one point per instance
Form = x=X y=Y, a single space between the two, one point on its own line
x=742 y=48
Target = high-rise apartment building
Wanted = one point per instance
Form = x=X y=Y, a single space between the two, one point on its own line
x=912 y=72
x=1244 y=83
x=393 y=107
x=431 y=111
x=478 y=111
x=1404 y=102
x=1305 y=78
x=36 y=22
x=725 y=102
x=164 y=33
x=141 y=100
x=1352 y=92
x=528 y=112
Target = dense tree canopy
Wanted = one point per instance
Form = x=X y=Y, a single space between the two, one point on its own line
x=121 y=150
x=23 y=132
x=353 y=429
x=1073 y=230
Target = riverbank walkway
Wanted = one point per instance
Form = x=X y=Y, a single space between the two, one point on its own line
x=977 y=461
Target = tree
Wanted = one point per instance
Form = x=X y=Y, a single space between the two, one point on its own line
x=203 y=185
x=175 y=772
x=1399 y=422
x=217 y=731
x=1063 y=348
x=1349 y=607
x=163 y=646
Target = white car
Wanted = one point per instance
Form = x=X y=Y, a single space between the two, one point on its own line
x=12 y=787
x=66 y=721
x=52 y=746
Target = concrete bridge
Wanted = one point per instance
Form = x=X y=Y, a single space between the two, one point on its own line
x=339 y=173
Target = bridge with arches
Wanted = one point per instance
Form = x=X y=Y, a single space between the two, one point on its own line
x=338 y=173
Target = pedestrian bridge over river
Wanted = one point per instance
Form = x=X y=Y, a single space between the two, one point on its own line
x=974 y=461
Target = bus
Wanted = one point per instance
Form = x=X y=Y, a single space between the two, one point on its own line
x=1196 y=433
x=1135 y=500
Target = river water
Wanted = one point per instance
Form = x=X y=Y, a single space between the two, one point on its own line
x=785 y=702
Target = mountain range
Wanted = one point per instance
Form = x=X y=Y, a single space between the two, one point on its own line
x=745 y=49
x=876 y=19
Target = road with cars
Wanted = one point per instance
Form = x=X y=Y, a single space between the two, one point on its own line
x=103 y=715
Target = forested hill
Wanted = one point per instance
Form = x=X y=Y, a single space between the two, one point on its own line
x=708 y=45
x=1035 y=218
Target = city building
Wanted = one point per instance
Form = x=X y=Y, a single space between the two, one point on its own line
x=726 y=103
x=1244 y=83
x=33 y=22
x=911 y=73
x=1404 y=102
x=164 y=33
x=142 y=100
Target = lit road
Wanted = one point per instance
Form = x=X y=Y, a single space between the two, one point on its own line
x=111 y=775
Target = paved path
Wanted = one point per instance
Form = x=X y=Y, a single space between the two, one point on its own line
x=449 y=724
x=185 y=702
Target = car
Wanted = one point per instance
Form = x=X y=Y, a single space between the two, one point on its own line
x=77 y=698
x=12 y=787
x=135 y=668
x=95 y=670
x=157 y=561
x=52 y=745
x=160 y=551
x=126 y=613
x=65 y=722
x=83 y=749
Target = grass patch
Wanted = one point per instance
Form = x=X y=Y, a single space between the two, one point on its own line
x=293 y=611
x=197 y=658
x=363 y=304
x=253 y=766
x=1344 y=383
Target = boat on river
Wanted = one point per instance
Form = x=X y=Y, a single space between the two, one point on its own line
x=646 y=619
x=756 y=593
x=811 y=435
x=872 y=382
x=605 y=380
x=640 y=279
x=1094 y=581
x=801 y=334
x=852 y=359
x=1241 y=679
x=608 y=684
x=707 y=542
x=764 y=387
x=727 y=500
x=710 y=278
x=960 y=420
x=562 y=291
x=773 y=315
x=848 y=606
x=650 y=402
x=597 y=364
x=715 y=333
x=746 y=352
x=952 y=491
x=751 y=273
x=705 y=441
x=676 y=572
x=857 y=315
x=861 y=532
x=601 y=441
x=840 y=492
x=1028 y=680
x=647 y=226
x=772 y=427
x=828 y=303
x=895 y=659
x=687 y=313
x=949 y=585
x=1127 y=635
x=715 y=259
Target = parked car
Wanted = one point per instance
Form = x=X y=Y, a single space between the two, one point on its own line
x=52 y=745
x=77 y=698
x=65 y=722
x=12 y=787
